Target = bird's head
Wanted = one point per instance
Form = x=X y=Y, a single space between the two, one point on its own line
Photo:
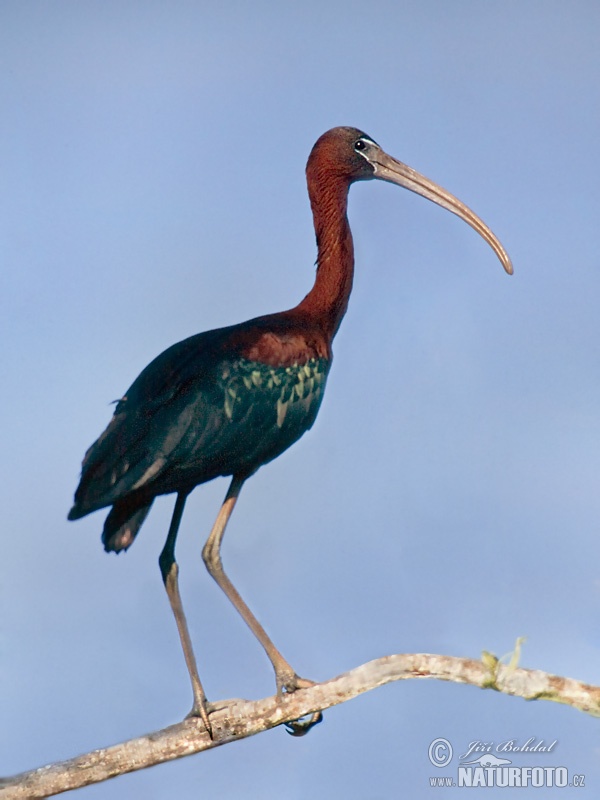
x=345 y=155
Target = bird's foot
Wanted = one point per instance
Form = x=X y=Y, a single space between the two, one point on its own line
x=202 y=709
x=300 y=727
x=287 y=683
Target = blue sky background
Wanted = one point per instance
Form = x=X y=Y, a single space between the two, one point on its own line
x=446 y=500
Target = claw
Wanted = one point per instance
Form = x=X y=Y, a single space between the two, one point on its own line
x=291 y=682
x=300 y=727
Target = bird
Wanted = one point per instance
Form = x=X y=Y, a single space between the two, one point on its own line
x=228 y=401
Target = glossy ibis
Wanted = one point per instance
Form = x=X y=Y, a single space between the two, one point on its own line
x=227 y=401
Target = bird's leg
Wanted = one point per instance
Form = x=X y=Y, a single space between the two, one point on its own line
x=170 y=572
x=287 y=679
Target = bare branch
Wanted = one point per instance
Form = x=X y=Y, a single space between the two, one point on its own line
x=237 y=719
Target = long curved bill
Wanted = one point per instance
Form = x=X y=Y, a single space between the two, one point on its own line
x=389 y=169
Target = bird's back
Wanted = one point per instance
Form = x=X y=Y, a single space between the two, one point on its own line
x=218 y=403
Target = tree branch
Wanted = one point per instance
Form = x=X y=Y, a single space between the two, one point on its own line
x=237 y=719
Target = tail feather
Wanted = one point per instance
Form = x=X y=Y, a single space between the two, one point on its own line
x=123 y=523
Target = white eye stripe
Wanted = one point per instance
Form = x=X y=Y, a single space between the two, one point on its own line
x=361 y=144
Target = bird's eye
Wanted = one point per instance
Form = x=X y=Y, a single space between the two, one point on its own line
x=360 y=144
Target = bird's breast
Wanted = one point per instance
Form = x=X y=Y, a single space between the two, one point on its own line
x=286 y=348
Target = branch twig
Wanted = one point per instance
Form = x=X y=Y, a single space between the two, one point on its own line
x=237 y=719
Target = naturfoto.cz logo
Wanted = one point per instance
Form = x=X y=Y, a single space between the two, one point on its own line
x=487 y=764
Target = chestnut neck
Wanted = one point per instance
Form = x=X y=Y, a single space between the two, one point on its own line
x=327 y=301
